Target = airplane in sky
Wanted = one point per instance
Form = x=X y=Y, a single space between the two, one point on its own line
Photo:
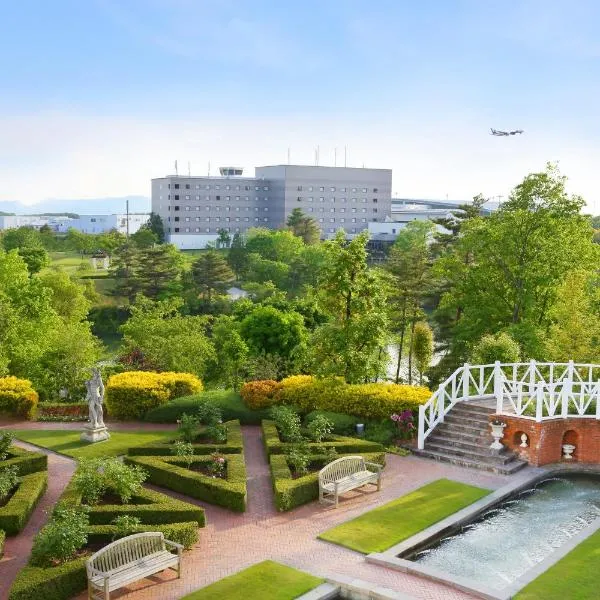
x=498 y=133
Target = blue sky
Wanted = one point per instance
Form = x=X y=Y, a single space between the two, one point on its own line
x=99 y=96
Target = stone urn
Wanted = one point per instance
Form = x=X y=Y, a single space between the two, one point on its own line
x=568 y=450
x=497 y=434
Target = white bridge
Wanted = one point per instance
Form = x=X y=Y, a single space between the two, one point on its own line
x=531 y=390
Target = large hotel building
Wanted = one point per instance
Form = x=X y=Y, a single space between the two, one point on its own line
x=194 y=209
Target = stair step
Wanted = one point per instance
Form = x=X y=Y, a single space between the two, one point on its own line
x=459 y=419
x=502 y=469
x=459 y=440
x=464 y=409
x=477 y=431
x=478 y=453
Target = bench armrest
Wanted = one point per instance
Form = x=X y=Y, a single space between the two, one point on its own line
x=95 y=573
x=174 y=545
x=378 y=467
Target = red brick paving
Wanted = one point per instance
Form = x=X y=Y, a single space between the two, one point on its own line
x=233 y=541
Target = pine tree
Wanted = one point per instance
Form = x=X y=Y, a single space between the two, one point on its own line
x=237 y=256
x=303 y=226
x=159 y=271
x=155 y=225
x=211 y=273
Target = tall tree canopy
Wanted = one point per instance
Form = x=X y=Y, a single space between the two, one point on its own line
x=211 y=273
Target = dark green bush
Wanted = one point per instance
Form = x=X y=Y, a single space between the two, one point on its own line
x=380 y=432
x=16 y=512
x=343 y=445
x=182 y=533
x=27 y=461
x=233 y=445
x=228 y=401
x=342 y=424
x=2 y=538
x=52 y=583
x=290 y=493
x=170 y=472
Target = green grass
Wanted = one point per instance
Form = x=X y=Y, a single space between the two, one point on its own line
x=66 y=441
x=574 y=577
x=390 y=524
x=267 y=580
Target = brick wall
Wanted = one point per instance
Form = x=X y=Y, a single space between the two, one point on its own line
x=545 y=439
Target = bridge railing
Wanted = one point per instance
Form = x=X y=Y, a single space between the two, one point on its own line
x=528 y=390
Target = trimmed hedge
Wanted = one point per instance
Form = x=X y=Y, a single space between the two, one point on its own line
x=342 y=445
x=26 y=460
x=132 y=394
x=62 y=411
x=233 y=445
x=50 y=583
x=182 y=533
x=2 y=539
x=231 y=405
x=16 y=512
x=171 y=472
x=368 y=401
x=17 y=397
x=290 y=493
x=148 y=506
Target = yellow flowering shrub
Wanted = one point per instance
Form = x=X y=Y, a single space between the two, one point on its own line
x=259 y=394
x=132 y=394
x=17 y=397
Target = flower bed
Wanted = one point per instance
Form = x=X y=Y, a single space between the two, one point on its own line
x=233 y=445
x=62 y=411
x=290 y=492
x=172 y=473
x=343 y=445
x=16 y=512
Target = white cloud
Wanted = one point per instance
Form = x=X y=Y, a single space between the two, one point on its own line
x=62 y=155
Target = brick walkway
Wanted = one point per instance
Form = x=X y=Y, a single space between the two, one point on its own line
x=232 y=541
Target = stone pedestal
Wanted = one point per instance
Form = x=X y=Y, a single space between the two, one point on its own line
x=97 y=434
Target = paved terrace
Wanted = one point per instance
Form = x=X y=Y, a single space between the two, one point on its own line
x=232 y=541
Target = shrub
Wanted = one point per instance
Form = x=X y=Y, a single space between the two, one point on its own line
x=125 y=525
x=89 y=481
x=16 y=512
x=319 y=428
x=6 y=439
x=259 y=394
x=381 y=432
x=8 y=481
x=491 y=348
x=287 y=422
x=183 y=450
x=61 y=538
x=187 y=427
x=209 y=414
x=50 y=583
x=185 y=533
x=132 y=394
x=17 y=397
x=342 y=424
x=298 y=457
x=26 y=461
x=124 y=480
x=230 y=403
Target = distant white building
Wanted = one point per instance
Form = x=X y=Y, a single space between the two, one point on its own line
x=85 y=223
x=16 y=221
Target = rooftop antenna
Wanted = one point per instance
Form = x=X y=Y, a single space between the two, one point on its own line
x=189 y=169
x=209 y=168
x=316 y=158
x=288 y=155
x=335 y=157
x=345 y=156
x=318 y=154
x=176 y=172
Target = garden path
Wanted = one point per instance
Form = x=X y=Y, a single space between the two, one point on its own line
x=231 y=541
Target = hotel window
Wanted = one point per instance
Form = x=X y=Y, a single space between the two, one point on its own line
x=208 y=187
x=177 y=218
x=237 y=187
x=197 y=230
x=266 y=188
x=176 y=186
x=354 y=189
x=246 y=187
x=187 y=229
x=237 y=198
x=342 y=189
x=207 y=229
x=227 y=187
x=160 y=186
x=187 y=186
x=375 y=190
x=256 y=188
x=176 y=229
x=321 y=209
x=364 y=220
x=176 y=208
x=321 y=189
x=197 y=186
x=321 y=220
x=256 y=219
x=364 y=190
x=208 y=218
x=353 y=209
x=299 y=188
x=246 y=219
x=176 y=196
x=310 y=199
x=208 y=208
x=266 y=208
x=332 y=189
x=237 y=208
x=246 y=198
x=332 y=210
x=197 y=197
x=364 y=199
x=227 y=208
x=310 y=209
x=197 y=208
x=218 y=197
x=227 y=219
x=310 y=189
x=333 y=199
x=342 y=220
x=256 y=208
x=342 y=210
x=299 y=199
x=265 y=219
x=227 y=198
x=374 y=200
x=187 y=208
x=354 y=220
x=374 y=210
x=332 y=220
x=321 y=199
x=331 y=230
x=354 y=230
x=237 y=218
x=197 y=218
x=217 y=187
x=207 y=198
x=187 y=219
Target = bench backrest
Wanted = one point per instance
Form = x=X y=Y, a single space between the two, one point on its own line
x=342 y=467
x=126 y=550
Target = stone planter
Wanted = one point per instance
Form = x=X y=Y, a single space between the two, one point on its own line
x=568 y=450
x=497 y=434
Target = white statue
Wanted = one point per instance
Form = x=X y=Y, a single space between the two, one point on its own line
x=95 y=430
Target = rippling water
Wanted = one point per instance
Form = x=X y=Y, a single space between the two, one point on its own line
x=510 y=539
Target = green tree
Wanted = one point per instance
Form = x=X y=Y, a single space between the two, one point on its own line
x=109 y=241
x=35 y=258
x=68 y=297
x=491 y=348
x=279 y=246
x=211 y=273
x=575 y=330
x=231 y=352
x=79 y=242
x=263 y=270
x=144 y=238
x=520 y=256
x=124 y=270
x=159 y=271
x=237 y=257
x=353 y=296
x=303 y=226
x=422 y=343
x=268 y=330
x=156 y=226
x=223 y=239
x=166 y=339
x=21 y=237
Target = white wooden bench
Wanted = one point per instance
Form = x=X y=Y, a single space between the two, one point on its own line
x=129 y=559
x=345 y=474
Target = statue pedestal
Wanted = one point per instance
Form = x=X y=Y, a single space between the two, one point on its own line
x=94 y=434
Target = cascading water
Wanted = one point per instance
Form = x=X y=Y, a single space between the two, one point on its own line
x=511 y=538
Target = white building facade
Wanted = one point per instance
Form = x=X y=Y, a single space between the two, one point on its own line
x=194 y=209
x=84 y=223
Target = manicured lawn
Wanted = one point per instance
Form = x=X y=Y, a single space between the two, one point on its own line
x=390 y=524
x=68 y=442
x=574 y=577
x=267 y=580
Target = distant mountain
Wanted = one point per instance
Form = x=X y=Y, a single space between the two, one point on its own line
x=93 y=206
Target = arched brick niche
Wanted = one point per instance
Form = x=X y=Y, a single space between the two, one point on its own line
x=545 y=439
